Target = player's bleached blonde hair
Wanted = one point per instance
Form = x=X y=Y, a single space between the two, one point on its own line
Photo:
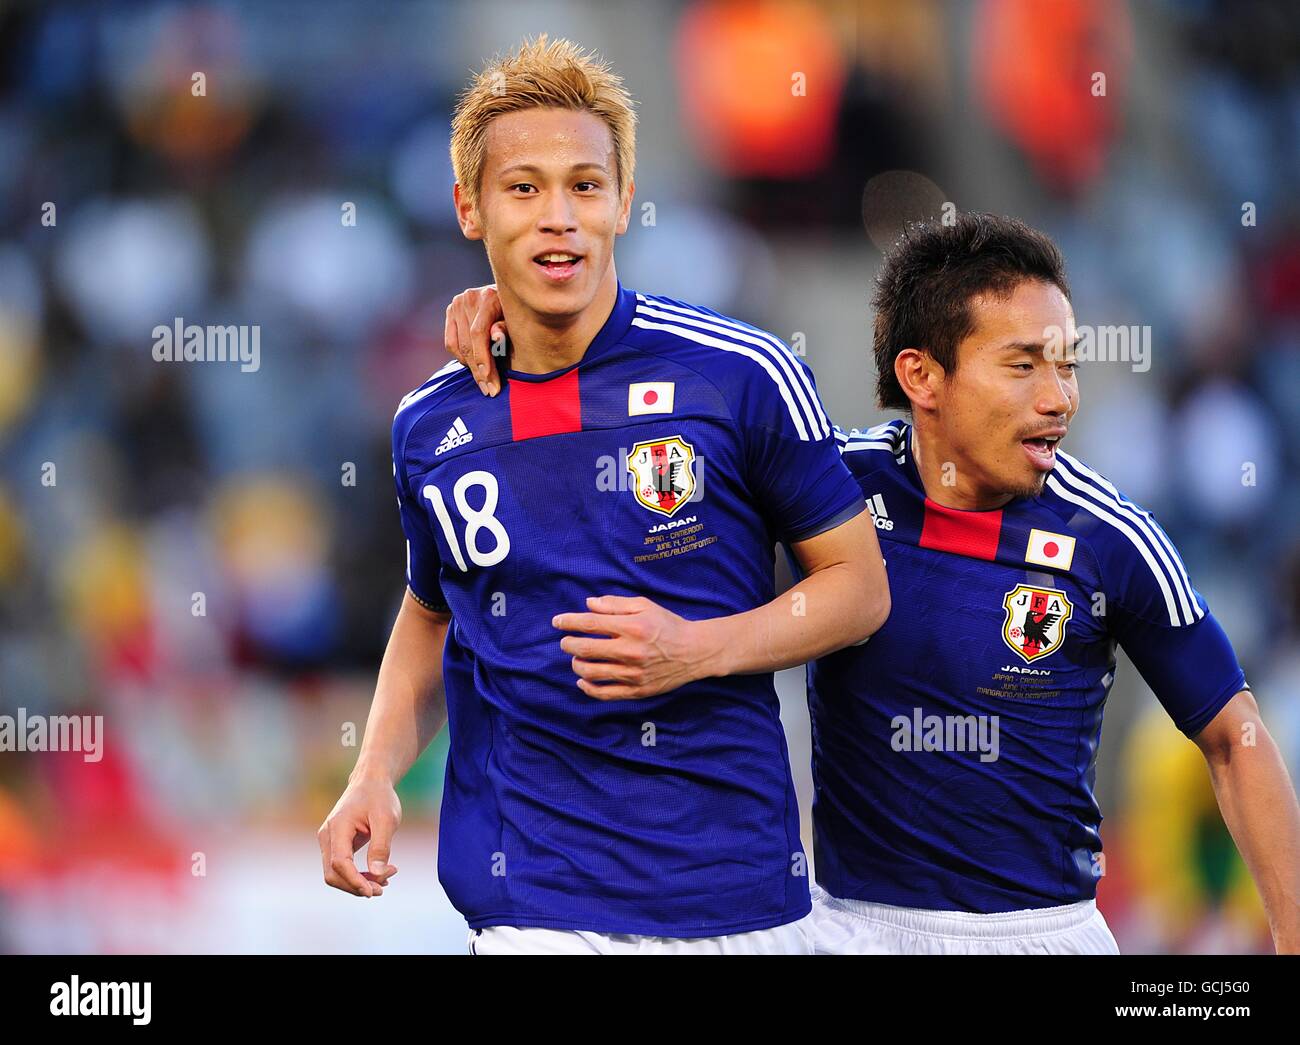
x=543 y=73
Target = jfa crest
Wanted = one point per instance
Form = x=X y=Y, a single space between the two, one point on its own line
x=662 y=475
x=1036 y=618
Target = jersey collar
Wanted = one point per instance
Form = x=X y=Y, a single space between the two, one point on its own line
x=609 y=335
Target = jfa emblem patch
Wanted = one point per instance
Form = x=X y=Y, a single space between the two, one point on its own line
x=663 y=478
x=1036 y=618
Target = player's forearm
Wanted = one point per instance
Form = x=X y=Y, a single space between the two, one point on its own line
x=410 y=706
x=1259 y=806
x=837 y=606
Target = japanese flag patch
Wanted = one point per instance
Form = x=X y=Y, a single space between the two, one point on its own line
x=649 y=397
x=1055 y=551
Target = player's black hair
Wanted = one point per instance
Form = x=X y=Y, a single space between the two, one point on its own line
x=923 y=289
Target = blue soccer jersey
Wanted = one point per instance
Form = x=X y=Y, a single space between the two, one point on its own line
x=954 y=753
x=666 y=463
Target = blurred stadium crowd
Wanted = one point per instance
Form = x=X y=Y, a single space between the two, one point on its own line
x=211 y=559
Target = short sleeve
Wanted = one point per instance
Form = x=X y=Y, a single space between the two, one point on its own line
x=1163 y=623
x=1191 y=669
x=423 y=562
x=792 y=457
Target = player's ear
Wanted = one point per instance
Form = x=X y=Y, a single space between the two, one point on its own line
x=625 y=210
x=919 y=375
x=471 y=225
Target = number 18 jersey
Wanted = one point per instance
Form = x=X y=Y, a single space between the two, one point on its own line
x=666 y=463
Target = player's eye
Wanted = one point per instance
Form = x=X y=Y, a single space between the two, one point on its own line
x=1024 y=368
x=586 y=186
x=1071 y=367
x=523 y=187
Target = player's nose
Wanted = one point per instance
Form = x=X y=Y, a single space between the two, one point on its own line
x=1053 y=395
x=557 y=214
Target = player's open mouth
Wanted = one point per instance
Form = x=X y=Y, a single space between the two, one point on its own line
x=558 y=265
x=1042 y=450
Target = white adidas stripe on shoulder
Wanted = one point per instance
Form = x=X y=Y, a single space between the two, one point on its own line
x=442 y=372
x=878 y=437
x=790 y=363
x=880 y=431
x=436 y=381
x=794 y=371
x=1186 y=602
x=762 y=360
x=446 y=370
x=1095 y=509
x=1177 y=571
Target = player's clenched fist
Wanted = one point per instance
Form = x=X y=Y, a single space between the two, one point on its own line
x=650 y=650
x=369 y=810
x=474 y=325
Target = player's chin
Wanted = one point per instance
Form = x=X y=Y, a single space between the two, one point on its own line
x=1029 y=483
x=560 y=301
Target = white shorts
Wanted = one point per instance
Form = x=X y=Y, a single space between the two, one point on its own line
x=791 y=938
x=858 y=927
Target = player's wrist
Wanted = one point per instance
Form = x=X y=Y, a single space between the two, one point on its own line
x=714 y=648
x=368 y=771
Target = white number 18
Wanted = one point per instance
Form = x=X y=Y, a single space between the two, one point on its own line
x=475 y=520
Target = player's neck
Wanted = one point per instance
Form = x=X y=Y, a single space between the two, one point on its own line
x=944 y=479
x=540 y=344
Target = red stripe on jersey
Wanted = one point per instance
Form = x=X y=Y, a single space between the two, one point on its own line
x=974 y=534
x=545 y=407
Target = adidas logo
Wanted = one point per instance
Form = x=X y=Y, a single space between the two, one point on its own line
x=876 y=505
x=457 y=435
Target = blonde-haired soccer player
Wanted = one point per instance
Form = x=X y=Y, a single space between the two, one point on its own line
x=599 y=630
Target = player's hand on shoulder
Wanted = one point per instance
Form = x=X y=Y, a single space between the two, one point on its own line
x=474 y=326
x=368 y=811
x=649 y=650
